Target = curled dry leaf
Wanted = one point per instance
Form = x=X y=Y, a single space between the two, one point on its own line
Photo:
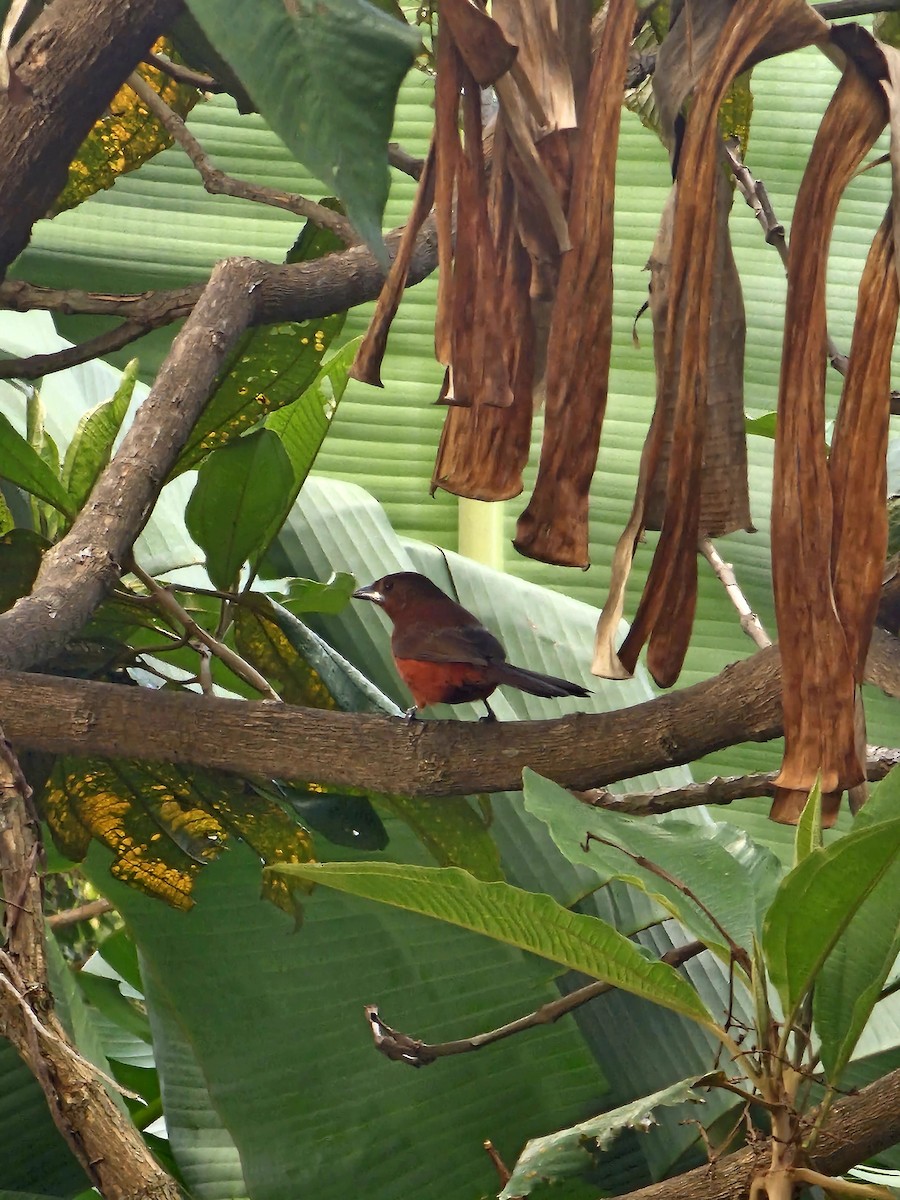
x=818 y=667
x=484 y=447
x=367 y=364
x=857 y=474
x=554 y=526
x=724 y=490
x=666 y=611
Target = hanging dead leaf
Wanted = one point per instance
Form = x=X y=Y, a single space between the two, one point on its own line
x=666 y=611
x=554 y=525
x=367 y=364
x=817 y=669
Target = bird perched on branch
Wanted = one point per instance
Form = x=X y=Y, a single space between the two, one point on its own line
x=443 y=653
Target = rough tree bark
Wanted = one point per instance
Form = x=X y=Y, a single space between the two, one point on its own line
x=422 y=758
x=69 y=65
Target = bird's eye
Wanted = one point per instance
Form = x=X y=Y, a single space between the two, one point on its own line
x=388 y=584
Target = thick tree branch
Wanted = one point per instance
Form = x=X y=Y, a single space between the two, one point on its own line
x=100 y=1134
x=68 y=67
x=857 y=1128
x=420 y=758
x=383 y=754
x=78 y=572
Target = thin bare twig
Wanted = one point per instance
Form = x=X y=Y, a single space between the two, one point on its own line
x=217 y=183
x=170 y=606
x=720 y=790
x=83 y=912
x=400 y=1047
x=34 y=366
x=183 y=74
x=750 y=622
x=738 y=953
x=503 y=1171
x=404 y=161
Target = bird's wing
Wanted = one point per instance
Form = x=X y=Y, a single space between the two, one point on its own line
x=456 y=643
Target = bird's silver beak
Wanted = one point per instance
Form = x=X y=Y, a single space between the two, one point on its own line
x=369 y=593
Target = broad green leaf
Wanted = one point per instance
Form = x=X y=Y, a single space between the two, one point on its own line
x=7 y=520
x=260 y=640
x=765 y=426
x=204 y=1150
x=23 y=466
x=572 y=1151
x=345 y=820
x=302 y=426
x=809 y=827
x=240 y=489
x=731 y=876
x=817 y=901
x=309 y=595
x=275 y=1025
x=450 y=830
x=91 y=446
x=271 y=367
x=525 y=919
x=35 y=1154
x=854 y=973
x=21 y=552
x=351 y=690
x=325 y=76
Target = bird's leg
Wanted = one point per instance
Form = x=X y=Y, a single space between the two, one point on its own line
x=490 y=715
x=410 y=714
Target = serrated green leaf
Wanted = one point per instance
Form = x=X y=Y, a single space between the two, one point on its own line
x=336 y=121
x=855 y=971
x=239 y=490
x=572 y=1151
x=725 y=871
x=817 y=901
x=23 y=466
x=91 y=446
x=530 y=921
x=809 y=827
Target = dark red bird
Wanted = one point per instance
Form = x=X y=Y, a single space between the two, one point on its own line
x=443 y=653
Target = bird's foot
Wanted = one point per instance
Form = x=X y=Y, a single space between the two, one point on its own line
x=489 y=716
x=410 y=714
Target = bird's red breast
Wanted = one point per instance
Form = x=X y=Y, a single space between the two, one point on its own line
x=444 y=683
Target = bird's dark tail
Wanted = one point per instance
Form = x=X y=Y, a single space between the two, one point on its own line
x=537 y=684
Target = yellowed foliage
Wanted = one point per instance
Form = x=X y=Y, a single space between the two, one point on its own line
x=163 y=823
x=124 y=137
